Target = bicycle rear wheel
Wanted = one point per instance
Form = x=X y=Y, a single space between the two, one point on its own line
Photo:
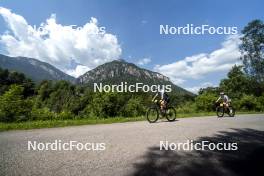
x=170 y=114
x=152 y=114
x=220 y=111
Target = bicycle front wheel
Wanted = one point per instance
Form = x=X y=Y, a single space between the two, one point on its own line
x=171 y=114
x=152 y=114
x=232 y=111
x=220 y=111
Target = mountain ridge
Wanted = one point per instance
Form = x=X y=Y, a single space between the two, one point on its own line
x=35 y=69
x=118 y=71
x=113 y=72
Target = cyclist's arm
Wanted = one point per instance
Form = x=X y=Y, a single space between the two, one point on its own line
x=218 y=99
x=154 y=97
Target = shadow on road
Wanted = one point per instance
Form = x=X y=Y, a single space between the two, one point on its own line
x=165 y=120
x=247 y=160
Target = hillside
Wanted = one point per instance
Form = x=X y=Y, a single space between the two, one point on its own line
x=33 y=68
x=120 y=71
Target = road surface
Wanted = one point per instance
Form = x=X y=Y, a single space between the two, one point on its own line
x=133 y=148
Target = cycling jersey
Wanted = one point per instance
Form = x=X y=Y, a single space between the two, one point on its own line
x=163 y=95
x=224 y=98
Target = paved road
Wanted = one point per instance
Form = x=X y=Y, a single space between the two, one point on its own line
x=134 y=148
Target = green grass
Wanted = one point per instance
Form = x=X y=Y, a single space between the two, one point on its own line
x=75 y=122
x=62 y=123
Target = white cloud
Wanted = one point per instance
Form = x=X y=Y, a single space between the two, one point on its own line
x=195 y=89
x=144 y=61
x=59 y=44
x=79 y=70
x=203 y=64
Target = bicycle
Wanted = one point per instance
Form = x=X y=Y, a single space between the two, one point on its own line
x=221 y=109
x=154 y=112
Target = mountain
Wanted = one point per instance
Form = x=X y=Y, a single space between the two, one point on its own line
x=33 y=68
x=119 y=71
x=110 y=73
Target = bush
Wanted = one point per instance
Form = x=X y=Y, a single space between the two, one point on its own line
x=248 y=102
x=205 y=101
x=260 y=103
x=104 y=105
x=65 y=115
x=42 y=114
x=188 y=107
x=13 y=106
x=133 y=108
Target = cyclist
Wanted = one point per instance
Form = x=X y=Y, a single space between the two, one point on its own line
x=224 y=98
x=163 y=99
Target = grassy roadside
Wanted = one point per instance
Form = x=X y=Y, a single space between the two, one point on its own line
x=63 y=123
x=75 y=122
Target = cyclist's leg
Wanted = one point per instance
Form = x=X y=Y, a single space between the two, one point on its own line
x=162 y=105
x=166 y=104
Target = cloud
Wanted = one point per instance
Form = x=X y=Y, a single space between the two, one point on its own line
x=203 y=64
x=79 y=70
x=144 y=61
x=89 y=45
x=195 y=89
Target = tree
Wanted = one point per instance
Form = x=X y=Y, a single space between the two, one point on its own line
x=236 y=84
x=107 y=104
x=205 y=101
x=13 y=107
x=58 y=96
x=252 y=49
x=248 y=102
x=213 y=90
x=8 y=78
x=4 y=81
x=133 y=107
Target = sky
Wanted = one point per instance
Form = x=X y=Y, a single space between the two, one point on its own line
x=78 y=35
